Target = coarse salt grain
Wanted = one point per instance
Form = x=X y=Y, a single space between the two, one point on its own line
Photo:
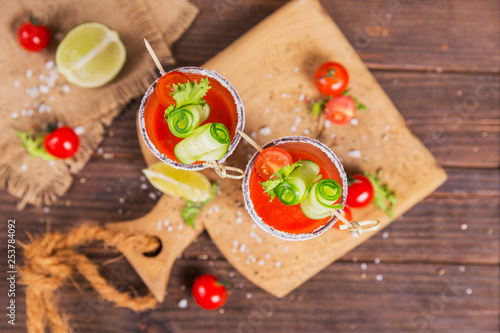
x=231 y=274
x=170 y=228
x=387 y=127
x=379 y=277
x=180 y=226
x=46 y=210
x=385 y=235
x=468 y=291
x=354 y=153
x=269 y=75
x=14 y=115
x=144 y=186
x=293 y=129
x=65 y=88
x=79 y=130
x=295 y=69
x=297 y=120
x=307 y=131
x=328 y=124
x=265 y=131
x=23 y=167
x=253 y=234
x=43 y=89
x=29 y=73
x=302 y=97
x=277 y=264
x=285 y=249
x=268 y=256
x=183 y=303
x=16 y=83
x=354 y=121
x=152 y=196
x=364 y=266
x=49 y=65
x=239 y=213
x=248 y=295
x=376 y=261
x=239 y=220
x=461 y=269
x=261 y=262
x=158 y=225
x=243 y=247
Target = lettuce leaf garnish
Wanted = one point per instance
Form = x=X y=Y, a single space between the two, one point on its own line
x=188 y=93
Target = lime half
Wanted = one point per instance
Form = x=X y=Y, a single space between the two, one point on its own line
x=190 y=185
x=90 y=55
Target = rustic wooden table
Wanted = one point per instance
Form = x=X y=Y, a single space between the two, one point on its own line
x=439 y=263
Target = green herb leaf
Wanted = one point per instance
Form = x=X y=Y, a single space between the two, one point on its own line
x=189 y=93
x=191 y=210
x=359 y=106
x=384 y=198
x=277 y=178
x=319 y=107
x=34 y=145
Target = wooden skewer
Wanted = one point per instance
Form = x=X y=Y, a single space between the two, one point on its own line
x=250 y=141
x=155 y=58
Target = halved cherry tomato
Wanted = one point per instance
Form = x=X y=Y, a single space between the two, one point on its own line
x=360 y=192
x=331 y=79
x=165 y=86
x=62 y=143
x=340 y=109
x=209 y=293
x=271 y=160
x=345 y=213
x=32 y=36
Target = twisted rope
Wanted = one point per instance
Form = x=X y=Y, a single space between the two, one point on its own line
x=51 y=259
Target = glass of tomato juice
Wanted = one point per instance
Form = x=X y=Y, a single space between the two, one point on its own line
x=226 y=108
x=289 y=222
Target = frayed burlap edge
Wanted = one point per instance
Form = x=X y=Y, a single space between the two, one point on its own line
x=32 y=189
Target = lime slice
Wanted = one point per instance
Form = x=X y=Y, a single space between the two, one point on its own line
x=190 y=185
x=90 y=55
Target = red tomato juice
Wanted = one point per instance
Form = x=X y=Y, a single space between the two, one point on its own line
x=283 y=217
x=222 y=110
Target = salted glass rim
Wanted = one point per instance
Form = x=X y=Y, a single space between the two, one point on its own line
x=240 y=125
x=286 y=235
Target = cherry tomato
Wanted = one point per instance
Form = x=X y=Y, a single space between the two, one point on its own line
x=209 y=293
x=340 y=109
x=345 y=213
x=331 y=79
x=360 y=192
x=33 y=37
x=62 y=143
x=165 y=86
x=271 y=160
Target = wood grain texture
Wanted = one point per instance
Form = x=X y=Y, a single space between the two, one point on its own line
x=270 y=67
x=427 y=238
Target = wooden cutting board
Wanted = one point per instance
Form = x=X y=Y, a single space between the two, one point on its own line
x=272 y=67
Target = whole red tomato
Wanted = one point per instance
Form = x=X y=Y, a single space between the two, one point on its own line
x=62 y=143
x=340 y=109
x=33 y=37
x=209 y=293
x=360 y=192
x=271 y=160
x=331 y=79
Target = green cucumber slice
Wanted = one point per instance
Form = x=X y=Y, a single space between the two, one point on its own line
x=183 y=121
x=319 y=201
x=204 y=140
x=294 y=189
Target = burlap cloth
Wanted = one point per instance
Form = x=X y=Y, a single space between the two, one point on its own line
x=33 y=94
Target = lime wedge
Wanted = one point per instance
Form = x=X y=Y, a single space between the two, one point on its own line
x=90 y=55
x=190 y=185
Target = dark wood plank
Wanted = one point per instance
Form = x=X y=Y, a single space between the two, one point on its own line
x=455 y=115
x=343 y=297
x=416 y=35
